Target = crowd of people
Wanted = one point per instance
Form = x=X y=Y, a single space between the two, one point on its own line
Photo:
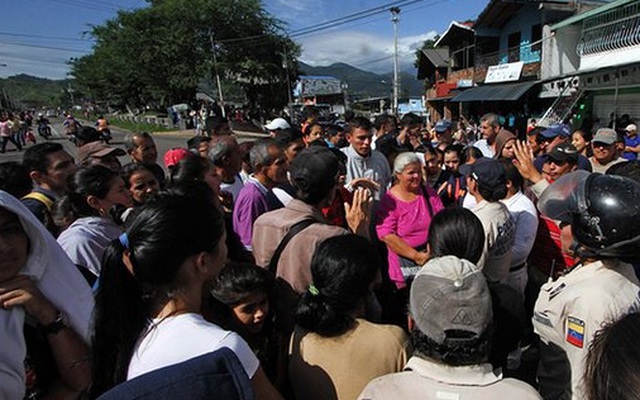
x=379 y=259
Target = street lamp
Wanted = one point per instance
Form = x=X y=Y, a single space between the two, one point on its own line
x=394 y=18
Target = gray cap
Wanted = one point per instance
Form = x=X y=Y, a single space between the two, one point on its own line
x=606 y=136
x=450 y=293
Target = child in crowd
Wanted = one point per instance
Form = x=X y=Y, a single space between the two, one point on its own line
x=239 y=302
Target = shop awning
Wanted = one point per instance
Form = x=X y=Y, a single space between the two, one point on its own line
x=505 y=92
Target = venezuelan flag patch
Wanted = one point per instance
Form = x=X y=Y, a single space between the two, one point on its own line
x=575 y=331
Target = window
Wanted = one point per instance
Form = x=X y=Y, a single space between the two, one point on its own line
x=513 y=42
x=536 y=36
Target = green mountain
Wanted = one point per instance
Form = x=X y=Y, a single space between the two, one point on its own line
x=26 y=91
x=363 y=84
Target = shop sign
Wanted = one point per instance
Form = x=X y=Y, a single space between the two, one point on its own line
x=504 y=72
x=561 y=87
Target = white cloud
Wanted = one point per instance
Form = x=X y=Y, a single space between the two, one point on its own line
x=366 y=51
x=40 y=62
x=303 y=12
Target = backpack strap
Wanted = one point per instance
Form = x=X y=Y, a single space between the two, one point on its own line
x=294 y=230
x=41 y=198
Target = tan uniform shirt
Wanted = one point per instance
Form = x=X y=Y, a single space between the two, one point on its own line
x=340 y=367
x=568 y=313
x=427 y=380
x=500 y=231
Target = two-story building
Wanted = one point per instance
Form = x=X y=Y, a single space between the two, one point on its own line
x=494 y=65
x=594 y=58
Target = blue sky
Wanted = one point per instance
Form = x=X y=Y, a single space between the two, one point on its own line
x=37 y=37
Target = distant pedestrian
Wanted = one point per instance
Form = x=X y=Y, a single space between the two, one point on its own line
x=6 y=134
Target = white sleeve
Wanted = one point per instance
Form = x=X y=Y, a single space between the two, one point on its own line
x=247 y=358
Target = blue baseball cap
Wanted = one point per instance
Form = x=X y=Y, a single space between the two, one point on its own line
x=443 y=125
x=556 y=130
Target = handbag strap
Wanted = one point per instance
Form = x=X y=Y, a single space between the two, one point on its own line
x=425 y=191
x=294 y=230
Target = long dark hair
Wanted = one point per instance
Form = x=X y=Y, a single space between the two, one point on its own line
x=189 y=169
x=95 y=180
x=166 y=231
x=613 y=361
x=456 y=232
x=342 y=269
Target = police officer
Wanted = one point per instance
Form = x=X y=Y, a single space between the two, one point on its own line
x=600 y=224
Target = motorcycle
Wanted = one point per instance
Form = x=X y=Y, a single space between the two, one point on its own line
x=44 y=130
x=105 y=135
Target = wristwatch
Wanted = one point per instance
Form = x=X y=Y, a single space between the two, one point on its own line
x=56 y=326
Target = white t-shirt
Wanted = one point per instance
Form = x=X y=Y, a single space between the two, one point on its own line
x=182 y=337
x=233 y=188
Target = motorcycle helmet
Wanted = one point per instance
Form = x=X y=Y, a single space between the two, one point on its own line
x=603 y=211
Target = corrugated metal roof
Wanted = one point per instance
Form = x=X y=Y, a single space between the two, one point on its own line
x=430 y=59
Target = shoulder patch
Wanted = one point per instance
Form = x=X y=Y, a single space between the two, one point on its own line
x=575 y=331
x=556 y=291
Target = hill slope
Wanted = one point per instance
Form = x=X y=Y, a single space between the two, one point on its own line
x=22 y=90
x=366 y=84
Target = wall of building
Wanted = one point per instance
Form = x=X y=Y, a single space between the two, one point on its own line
x=522 y=21
x=559 y=56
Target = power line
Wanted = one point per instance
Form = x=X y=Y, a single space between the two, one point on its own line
x=94 y=5
x=44 y=37
x=37 y=46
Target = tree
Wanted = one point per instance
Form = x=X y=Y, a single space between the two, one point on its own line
x=158 y=55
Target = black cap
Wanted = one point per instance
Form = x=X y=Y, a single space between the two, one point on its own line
x=487 y=172
x=562 y=153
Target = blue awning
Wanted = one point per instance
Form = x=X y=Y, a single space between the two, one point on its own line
x=504 y=92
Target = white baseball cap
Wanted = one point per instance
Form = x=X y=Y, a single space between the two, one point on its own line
x=631 y=127
x=276 y=124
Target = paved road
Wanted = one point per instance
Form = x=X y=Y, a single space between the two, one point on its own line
x=164 y=141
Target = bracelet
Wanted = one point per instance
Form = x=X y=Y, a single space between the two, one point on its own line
x=56 y=326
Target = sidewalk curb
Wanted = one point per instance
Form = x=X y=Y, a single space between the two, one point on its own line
x=191 y=133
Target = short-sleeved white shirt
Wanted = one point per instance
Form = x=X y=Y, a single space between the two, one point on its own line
x=182 y=337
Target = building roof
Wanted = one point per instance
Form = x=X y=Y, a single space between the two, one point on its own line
x=591 y=13
x=497 y=13
x=502 y=92
x=431 y=59
x=455 y=34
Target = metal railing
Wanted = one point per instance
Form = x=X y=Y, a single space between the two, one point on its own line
x=527 y=52
x=615 y=29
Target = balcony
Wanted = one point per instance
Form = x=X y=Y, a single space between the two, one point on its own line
x=529 y=53
x=615 y=29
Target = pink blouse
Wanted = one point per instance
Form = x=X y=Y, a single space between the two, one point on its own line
x=409 y=221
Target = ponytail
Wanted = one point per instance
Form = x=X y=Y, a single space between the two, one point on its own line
x=343 y=269
x=120 y=318
x=315 y=313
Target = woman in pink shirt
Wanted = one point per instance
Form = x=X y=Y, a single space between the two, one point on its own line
x=403 y=219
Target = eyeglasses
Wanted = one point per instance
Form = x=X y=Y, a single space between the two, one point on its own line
x=602 y=144
x=558 y=163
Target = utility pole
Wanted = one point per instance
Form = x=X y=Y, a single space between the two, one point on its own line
x=285 y=65
x=394 y=18
x=215 y=69
x=70 y=91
